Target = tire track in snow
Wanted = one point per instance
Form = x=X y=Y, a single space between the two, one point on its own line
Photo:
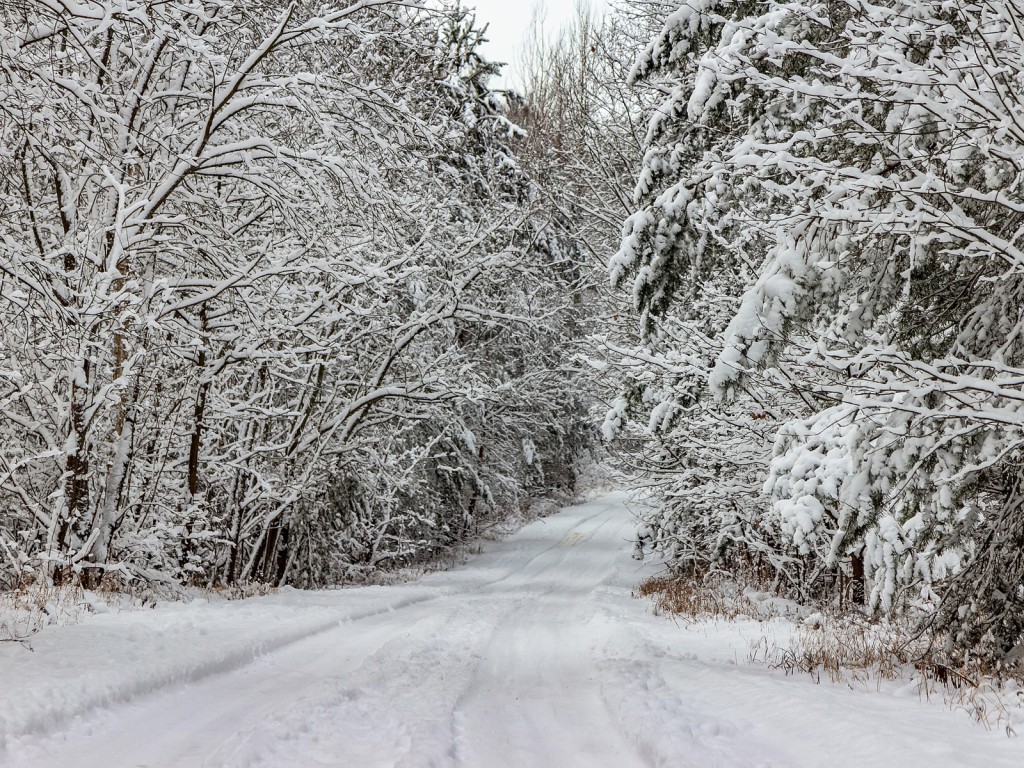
x=669 y=729
x=536 y=679
x=52 y=712
x=395 y=708
x=533 y=654
x=475 y=671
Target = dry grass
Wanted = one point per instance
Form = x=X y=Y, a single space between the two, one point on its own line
x=239 y=591
x=846 y=647
x=24 y=611
x=842 y=647
x=691 y=600
x=710 y=595
x=852 y=649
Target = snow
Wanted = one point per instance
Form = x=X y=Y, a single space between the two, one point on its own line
x=534 y=653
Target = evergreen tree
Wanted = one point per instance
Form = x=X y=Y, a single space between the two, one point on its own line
x=846 y=154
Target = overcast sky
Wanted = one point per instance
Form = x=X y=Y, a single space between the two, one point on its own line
x=508 y=21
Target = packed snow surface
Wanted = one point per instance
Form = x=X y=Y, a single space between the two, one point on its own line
x=532 y=654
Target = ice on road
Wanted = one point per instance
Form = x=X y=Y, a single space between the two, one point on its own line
x=532 y=654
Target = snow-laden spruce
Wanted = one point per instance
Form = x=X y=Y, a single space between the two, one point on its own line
x=854 y=170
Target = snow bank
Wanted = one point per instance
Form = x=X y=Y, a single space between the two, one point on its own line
x=65 y=672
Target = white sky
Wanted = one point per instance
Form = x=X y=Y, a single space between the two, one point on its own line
x=509 y=20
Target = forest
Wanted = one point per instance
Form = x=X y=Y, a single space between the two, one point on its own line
x=293 y=292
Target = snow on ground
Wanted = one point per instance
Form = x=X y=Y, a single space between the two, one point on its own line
x=532 y=654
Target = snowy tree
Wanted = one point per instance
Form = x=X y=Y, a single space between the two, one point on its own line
x=242 y=249
x=849 y=155
x=686 y=257
x=583 y=132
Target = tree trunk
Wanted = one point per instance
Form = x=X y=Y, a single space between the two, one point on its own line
x=857 y=582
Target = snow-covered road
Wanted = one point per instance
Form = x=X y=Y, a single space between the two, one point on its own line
x=532 y=654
